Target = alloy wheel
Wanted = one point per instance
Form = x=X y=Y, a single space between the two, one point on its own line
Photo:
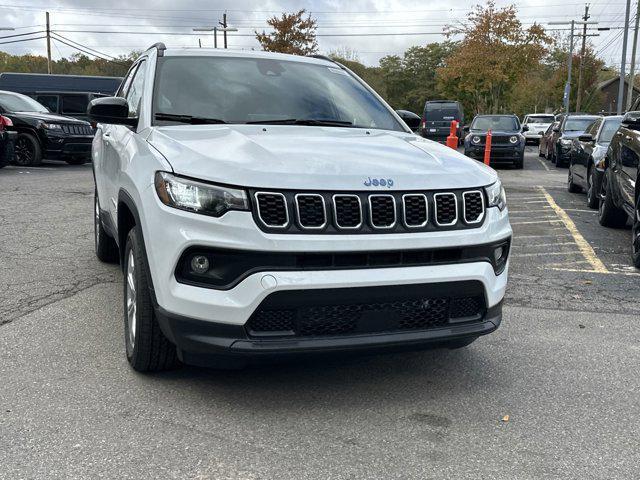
x=132 y=317
x=24 y=151
x=635 y=231
x=96 y=224
x=590 y=179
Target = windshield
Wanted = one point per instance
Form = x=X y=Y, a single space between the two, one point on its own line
x=579 y=124
x=20 y=103
x=540 y=119
x=241 y=90
x=504 y=124
x=608 y=129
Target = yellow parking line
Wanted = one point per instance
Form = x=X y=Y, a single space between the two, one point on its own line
x=587 y=252
x=579 y=270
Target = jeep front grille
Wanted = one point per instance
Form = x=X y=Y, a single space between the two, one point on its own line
x=72 y=129
x=365 y=212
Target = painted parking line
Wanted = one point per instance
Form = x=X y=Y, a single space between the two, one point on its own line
x=587 y=251
x=544 y=164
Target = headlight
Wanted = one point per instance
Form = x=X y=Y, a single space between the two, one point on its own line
x=513 y=139
x=51 y=126
x=198 y=197
x=496 y=196
x=475 y=139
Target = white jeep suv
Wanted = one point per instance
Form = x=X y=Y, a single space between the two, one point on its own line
x=272 y=205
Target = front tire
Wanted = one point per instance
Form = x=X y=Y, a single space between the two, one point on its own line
x=572 y=187
x=148 y=350
x=592 y=194
x=27 y=151
x=635 y=236
x=608 y=214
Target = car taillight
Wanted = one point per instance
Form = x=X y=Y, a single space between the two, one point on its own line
x=424 y=123
x=5 y=122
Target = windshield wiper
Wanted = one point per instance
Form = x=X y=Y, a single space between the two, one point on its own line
x=188 y=119
x=303 y=121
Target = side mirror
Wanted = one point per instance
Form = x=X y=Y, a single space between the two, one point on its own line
x=556 y=129
x=525 y=128
x=411 y=119
x=586 y=138
x=110 y=110
x=631 y=120
x=466 y=128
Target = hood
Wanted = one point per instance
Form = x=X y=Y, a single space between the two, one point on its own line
x=315 y=158
x=45 y=117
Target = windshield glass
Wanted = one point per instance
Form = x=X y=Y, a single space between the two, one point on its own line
x=241 y=90
x=609 y=128
x=20 y=103
x=540 y=119
x=495 y=123
x=578 y=124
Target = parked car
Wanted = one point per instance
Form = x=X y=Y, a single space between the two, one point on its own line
x=411 y=119
x=570 y=128
x=507 y=141
x=34 y=83
x=537 y=124
x=7 y=141
x=437 y=118
x=43 y=134
x=544 y=146
x=295 y=215
x=68 y=104
x=620 y=188
x=586 y=165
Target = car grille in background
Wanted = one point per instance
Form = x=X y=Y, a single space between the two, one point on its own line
x=77 y=129
x=446 y=209
x=473 y=206
x=334 y=319
x=348 y=211
x=363 y=212
x=272 y=209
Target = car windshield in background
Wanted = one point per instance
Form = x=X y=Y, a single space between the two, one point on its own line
x=609 y=128
x=20 y=103
x=540 y=119
x=438 y=109
x=578 y=124
x=260 y=90
x=503 y=124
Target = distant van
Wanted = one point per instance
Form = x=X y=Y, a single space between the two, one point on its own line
x=437 y=117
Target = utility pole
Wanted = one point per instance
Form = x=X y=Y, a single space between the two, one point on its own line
x=567 y=88
x=632 y=70
x=584 y=45
x=224 y=28
x=48 y=46
x=623 y=64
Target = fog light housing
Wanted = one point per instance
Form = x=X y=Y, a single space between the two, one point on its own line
x=498 y=253
x=500 y=256
x=199 y=264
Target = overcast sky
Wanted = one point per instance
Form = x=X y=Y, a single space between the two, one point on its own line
x=394 y=23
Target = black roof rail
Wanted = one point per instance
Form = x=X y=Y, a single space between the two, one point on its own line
x=160 y=46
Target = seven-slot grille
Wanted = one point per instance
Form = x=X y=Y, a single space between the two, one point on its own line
x=473 y=206
x=363 y=212
x=77 y=129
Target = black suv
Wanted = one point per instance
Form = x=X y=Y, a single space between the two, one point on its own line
x=43 y=134
x=507 y=143
x=620 y=189
x=571 y=127
x=437 y=117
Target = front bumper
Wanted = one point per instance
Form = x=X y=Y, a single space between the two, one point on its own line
x=499 y=153
x=57 y=146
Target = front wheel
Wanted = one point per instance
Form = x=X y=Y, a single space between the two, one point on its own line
x=148 y=350
x=571 y=187
x=592 y=194
x=27 y=151
x=635 y=236
x=608 y=214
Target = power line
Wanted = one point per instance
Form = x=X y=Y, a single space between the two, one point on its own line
x=23 y=40
x=83 y=46
x=88 y=52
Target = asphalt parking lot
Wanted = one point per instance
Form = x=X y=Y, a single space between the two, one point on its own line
x=554 y=393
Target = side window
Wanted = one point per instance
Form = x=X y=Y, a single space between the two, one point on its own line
x=134 y=94
x=49 y=101
x=124 y=86
x=74 y=104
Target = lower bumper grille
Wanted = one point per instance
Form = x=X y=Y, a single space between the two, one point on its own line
x=370 y=310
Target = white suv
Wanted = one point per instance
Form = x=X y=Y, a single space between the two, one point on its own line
x=264 y=204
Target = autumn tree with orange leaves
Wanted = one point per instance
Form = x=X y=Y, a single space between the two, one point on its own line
x=292 y=33
x=494 y=56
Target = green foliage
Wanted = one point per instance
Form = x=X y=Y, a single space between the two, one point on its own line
x=77 y=64
x=292 y=33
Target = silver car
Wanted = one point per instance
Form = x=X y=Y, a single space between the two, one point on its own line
x=538 y=124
